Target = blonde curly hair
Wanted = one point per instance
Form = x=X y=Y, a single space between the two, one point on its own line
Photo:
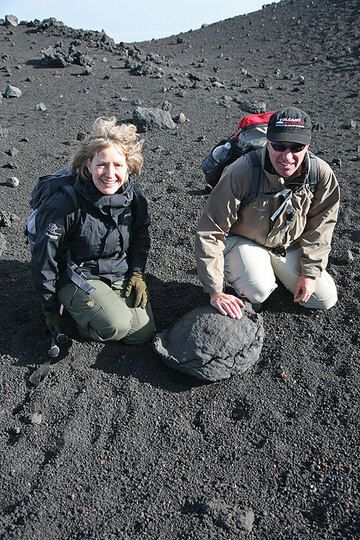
x=105 y=132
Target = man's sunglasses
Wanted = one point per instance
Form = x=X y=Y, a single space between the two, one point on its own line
x=295 y=148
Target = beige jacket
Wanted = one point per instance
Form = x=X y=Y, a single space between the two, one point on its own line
x=311 y=228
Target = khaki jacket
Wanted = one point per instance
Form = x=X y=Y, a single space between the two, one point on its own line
x=310 y=229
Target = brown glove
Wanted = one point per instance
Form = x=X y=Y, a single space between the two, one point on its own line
x=138 y=284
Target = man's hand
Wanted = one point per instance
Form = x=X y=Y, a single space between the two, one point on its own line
x=227 y=304
x=304 y=288
x=138 y=283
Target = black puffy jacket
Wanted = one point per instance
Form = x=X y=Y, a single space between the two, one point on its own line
x=108 y=236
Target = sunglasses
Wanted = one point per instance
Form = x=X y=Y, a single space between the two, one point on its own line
x=295 y=148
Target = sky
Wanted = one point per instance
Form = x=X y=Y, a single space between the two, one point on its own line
x=131 y=20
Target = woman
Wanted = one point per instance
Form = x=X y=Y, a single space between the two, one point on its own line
x=104 y=237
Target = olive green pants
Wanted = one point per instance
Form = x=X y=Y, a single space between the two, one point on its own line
x=106 y=315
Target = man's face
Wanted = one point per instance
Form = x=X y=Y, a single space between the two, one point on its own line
x=286 y=157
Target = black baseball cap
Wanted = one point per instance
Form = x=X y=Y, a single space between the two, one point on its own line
x=289 y=125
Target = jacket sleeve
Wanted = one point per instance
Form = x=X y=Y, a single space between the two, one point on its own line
x=321 y=219
x=220 y=212
x=140 y=237
x=48 y=252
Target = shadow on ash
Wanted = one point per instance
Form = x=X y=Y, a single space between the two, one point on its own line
x=211 y=347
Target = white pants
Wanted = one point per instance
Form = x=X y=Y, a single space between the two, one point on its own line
x=252 y=270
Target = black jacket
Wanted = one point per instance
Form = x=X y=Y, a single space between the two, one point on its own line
x=108 y=236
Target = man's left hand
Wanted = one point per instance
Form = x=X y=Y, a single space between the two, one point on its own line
x=304 y=288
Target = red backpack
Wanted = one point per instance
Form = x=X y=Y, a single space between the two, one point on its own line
x=250 y=134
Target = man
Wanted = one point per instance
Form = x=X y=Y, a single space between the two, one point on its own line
x=284 y=232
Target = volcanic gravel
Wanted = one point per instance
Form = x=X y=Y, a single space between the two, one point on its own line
x=113 y=444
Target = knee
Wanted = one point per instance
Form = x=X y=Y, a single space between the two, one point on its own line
x=323 y=299
x=257 y=291
x=108 y=328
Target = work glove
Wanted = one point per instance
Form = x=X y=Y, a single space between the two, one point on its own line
x=53 y=320
x=137 y=284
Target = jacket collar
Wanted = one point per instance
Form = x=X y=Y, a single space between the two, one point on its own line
x=110 y=205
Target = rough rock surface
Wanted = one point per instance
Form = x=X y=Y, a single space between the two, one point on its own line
x=211 y=347
x=127 y=446
x=152 y=118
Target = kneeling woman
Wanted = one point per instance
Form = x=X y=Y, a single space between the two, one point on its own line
x=90 y=255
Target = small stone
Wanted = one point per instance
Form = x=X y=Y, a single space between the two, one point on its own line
x=337 y=162
x=12 y=91
x=80 y=135
x=247 y=520
x=36 y=418
x=351 y=124
x=12 y=152
x=346 y=258
x=40 y=107
x=4 y=133
x=12 y=182
x=180 y=118
x=9 y=165
x=166 y=106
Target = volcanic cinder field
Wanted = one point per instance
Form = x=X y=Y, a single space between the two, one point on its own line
x=113 y=444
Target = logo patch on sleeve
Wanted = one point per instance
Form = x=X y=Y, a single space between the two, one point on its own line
x=53 y=231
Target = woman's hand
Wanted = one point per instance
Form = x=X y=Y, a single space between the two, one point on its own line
x=227 y=304
x=138 y=285
x=304 y=288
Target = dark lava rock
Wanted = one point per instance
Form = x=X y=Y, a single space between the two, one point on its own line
x=152 y=118
x=209 y=346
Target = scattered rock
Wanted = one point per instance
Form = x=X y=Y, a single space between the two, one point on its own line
x=4 y=132
x=152 y=118
x=12 y=92
x=180 y=118
x=40 y=107
x=35 y=418
x=56 y=57
x=346 y=258
x=7 y=219
x=12 y=182
x=13 y=152
x=166 y=106
x=252 y=107
x=9 y=165
x=11 y=20
x=209 y=346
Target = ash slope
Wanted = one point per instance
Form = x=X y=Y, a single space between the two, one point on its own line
x=113 y=444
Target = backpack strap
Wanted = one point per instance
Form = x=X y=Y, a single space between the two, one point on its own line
x=313 y=172
x=255 y=159
x=70 y=191
x=73 y=271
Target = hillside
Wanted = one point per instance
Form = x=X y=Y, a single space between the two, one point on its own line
x=113 y=444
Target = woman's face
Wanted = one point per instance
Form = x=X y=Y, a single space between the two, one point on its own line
x=108 y=169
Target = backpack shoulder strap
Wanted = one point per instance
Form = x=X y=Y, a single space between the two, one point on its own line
x=71 y=192
x=254 y=157
x=313 y=172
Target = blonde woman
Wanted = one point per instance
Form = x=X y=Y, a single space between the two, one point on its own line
x=102 y=236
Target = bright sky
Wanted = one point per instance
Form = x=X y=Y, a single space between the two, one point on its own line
x=131 y=20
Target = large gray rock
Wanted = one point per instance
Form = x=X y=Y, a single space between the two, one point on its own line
x=11 y=20
x=152 y=118
x=210 y=346
x=12 y=91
